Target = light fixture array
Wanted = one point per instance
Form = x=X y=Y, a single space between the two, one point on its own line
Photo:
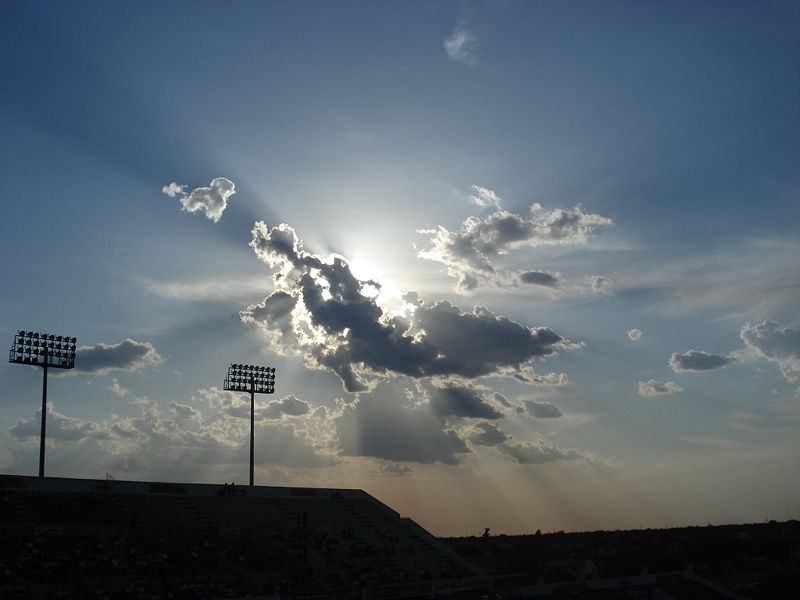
x=247 y=378
x=40 y=349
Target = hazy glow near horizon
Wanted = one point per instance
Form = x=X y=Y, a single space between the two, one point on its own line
x=523 y=266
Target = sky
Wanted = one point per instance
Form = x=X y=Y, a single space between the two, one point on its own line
x=518 y=265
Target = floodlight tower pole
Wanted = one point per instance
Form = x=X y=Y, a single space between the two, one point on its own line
x=44 y=417
x=43 y=350
x=254 y=380
x=252 y=425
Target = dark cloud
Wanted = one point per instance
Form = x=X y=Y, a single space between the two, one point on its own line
x=488 y=434
x=212 y=199
x=501 y=400
x=274 y=314
x=540 y=452
x=539 y=278
x=695 y=360
x=288 y=406
x=468 y=252
x=126 y=355
x=339 y=326
x=461 y=401
x=381 y=424
x=781 y=345
x=542 y=410
x=656 y=388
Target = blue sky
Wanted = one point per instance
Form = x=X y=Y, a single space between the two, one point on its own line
x=520 y=264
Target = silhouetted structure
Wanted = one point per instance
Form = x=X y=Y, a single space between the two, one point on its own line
x=43 y=350
x=255 y=380
x=67 y=538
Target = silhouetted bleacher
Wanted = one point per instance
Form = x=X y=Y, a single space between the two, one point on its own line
x=69 y=538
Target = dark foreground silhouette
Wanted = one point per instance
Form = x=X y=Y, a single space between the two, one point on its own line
x=69 y=538
x=757 y=561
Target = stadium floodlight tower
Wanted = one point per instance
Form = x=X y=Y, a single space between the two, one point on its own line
x=255 y=380
x=43 y=350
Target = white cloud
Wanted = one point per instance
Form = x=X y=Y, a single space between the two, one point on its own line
x=780 y=345
x=469 y=253
x=635 y=334
x=656 y=388
x=117 y=388
x=212 y=200
x=460 y=46
x=184 y=411
x=485 y=197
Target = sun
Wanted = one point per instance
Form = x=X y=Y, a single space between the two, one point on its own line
x=389 y=295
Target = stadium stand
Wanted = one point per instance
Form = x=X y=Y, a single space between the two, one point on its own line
x=80 y=538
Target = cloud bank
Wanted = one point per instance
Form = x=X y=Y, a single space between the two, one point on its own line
x=320 y=309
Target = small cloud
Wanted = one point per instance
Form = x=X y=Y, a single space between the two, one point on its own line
x=542 y=410
x=540 y=452
x=127 y=355
x=601 y=285
x=117 y=388
x=485 y=197
x=396 y=470
x=213 y=200
x=652 y=388
x=635 y=334
x=695 y=360
x=460 y=46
